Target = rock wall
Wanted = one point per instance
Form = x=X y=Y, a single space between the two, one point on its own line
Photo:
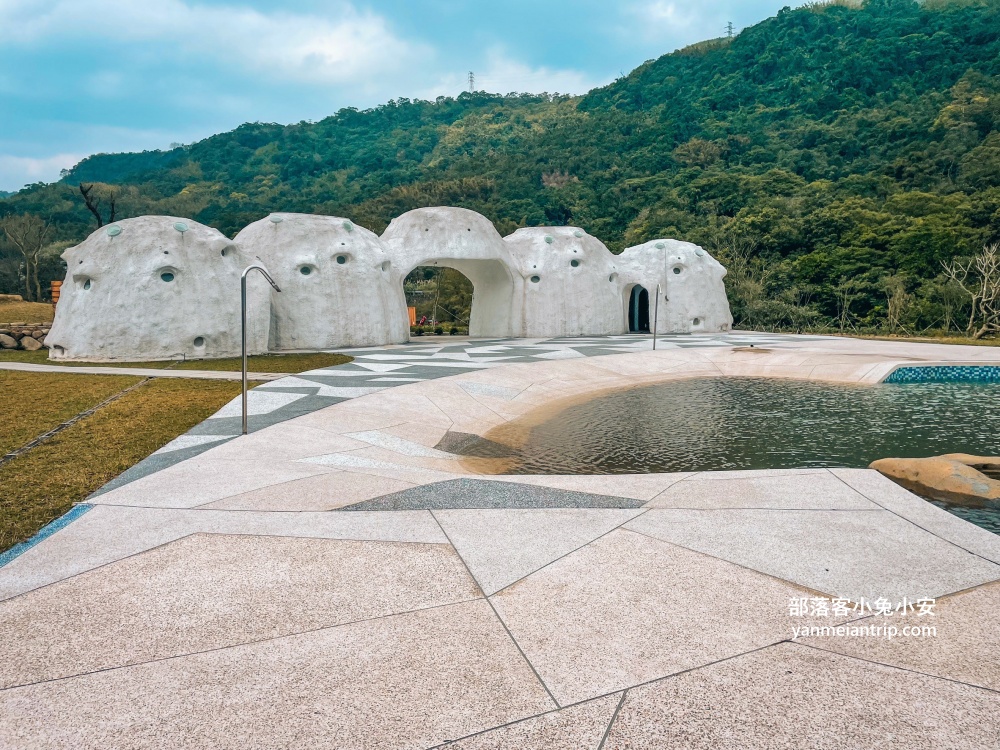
x=156 y=287
x=26 y=336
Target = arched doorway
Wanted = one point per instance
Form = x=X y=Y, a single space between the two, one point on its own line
x=638 y=310
x=440 y=297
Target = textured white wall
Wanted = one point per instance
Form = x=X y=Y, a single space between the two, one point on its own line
x=692 y=292
x=569 y=283
x=336 y=282
x=468 y=242
x=342 y=285
x=117 y=304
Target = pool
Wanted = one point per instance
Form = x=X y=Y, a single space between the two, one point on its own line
x=762 y=423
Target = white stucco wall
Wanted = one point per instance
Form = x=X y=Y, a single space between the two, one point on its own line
x=141 y=289
x=468 y=242
x=336 y=278
x=569 y=283
x=692 y=293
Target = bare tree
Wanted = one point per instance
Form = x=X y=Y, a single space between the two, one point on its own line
x=29 y=234
x=93 y=200
x=897 y=302
x=979 y=277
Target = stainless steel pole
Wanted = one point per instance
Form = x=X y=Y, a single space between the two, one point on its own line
x=656 y=314
x=243 y=328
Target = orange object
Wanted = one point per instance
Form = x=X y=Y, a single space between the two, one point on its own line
x=413 y=315
x=56 y=287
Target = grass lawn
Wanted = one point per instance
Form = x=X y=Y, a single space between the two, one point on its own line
x=25 y=312
x=41 y=485
x=258 y=363
x=33 y=403
x=963 y=340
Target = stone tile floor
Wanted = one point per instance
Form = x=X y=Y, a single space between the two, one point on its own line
x=337 y=580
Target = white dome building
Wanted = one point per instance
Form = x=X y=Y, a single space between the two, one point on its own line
x=570 y=283
x=155 y=288
x=692 y=293
x=337 y=282
x=468 y=242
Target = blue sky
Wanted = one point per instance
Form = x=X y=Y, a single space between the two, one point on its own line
x=84 y=76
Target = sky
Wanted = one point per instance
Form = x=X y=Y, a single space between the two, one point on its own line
x=79 y=77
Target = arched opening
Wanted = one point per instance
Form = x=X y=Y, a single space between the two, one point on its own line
x=638 y=310
x=472 y=296
x=440 y=299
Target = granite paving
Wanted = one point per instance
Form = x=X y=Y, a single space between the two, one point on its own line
x=345 y=577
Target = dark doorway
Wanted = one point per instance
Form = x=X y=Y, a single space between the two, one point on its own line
x=638 y=310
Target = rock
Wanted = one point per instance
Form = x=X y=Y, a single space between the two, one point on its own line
x=37 y=334
x=954 y=478
x=7 y=342
x=30 y=344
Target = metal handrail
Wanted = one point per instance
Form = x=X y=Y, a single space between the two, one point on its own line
x=656 y=314
x=243 y=332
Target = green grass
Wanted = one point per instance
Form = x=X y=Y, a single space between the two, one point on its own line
x=32 y=403
x=256 y=363
x=41 y=485
x=25 y=312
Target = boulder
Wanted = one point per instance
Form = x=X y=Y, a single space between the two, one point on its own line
x=7 y=342
x=30 y=344
x=953 y=478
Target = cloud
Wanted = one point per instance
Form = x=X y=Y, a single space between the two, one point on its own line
x=332 y=48
x=16 y=171
x=503 y=75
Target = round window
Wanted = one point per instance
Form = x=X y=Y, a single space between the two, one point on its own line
x=535 y=279
x=86 y=284
x=305 y=270
x=341 y=259
x=199 y=341
x=677 y=270
x=575 y=263
x=167 y=276
x=180 y=226
x=114 y=231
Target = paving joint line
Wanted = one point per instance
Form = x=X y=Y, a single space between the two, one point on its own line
x=240 y=645
x=611 y=722
x=914 y=523
x=497 y=614
x=45 y=437
x=894 y=666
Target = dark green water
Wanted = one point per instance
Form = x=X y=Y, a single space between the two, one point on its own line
x=756 y=423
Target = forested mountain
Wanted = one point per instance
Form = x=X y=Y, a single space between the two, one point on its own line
x=833 y=156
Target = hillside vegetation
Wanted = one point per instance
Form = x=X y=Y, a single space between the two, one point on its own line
x=834 y=157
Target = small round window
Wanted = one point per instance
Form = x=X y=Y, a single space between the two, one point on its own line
x=575 y=263
x=86 y=284
x=114 y=230
x=167 y=276
x=180 y=226
x=697 y=321
x=341 y=259
x=677 y=270
x=305 y=270
x=199 y=341
x=535 y=279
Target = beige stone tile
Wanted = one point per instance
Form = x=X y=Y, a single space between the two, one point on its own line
x=965 y=646
x=819 y=491
x=852 y=554
x=407 y=681
x=580 y=726
x=503 y=546
x=286 y=441
x=200 y=480
x=336 y=489
x=112 y=532
x=790 y=696
x=636 y=486
x=209 y=591
x=889 y=495
x=627 y=609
